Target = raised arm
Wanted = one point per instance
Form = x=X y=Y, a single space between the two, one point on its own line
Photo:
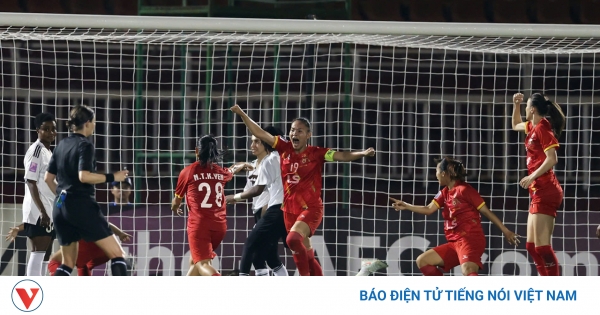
x=254 y=127
x=426 y=210
x=517 y=121
x=511 y=237
x=352 y=156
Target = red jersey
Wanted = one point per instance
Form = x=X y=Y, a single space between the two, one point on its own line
x=540 y=139
x=461 y=206
x=302 y=175
x=203 y=188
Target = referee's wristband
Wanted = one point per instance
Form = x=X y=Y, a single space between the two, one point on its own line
x=110 y=177
x=237 y=197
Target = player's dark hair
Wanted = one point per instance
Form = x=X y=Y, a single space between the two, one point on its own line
x=207 y=150
x=304 y=121
x=79 y=116
x=41 y=118
x=274 y=131
x=550 y=109
x=455 y=168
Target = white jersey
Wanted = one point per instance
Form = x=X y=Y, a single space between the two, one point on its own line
x=261 y=200
x=269 y=174
x=36 y=163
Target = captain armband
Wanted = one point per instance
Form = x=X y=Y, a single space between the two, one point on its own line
x=329 y=155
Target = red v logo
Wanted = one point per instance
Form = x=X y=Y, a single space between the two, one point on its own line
x=25 y=298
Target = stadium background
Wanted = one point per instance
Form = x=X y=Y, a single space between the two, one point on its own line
x=449 y=92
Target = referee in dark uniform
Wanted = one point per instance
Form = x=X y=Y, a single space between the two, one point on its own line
x=76 y=213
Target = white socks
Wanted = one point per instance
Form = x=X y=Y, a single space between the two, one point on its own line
x=44 y=268
x=261 y=272
x=280 y=271
x=34 y=265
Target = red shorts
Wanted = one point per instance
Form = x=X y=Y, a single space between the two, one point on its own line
x=456 y=253
x=90 y=255
x=203 y=242
x=546 y=201
x=312 y=217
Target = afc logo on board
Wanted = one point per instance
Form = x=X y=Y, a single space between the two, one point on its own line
x=27 y=295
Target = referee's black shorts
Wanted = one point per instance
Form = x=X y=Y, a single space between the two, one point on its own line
x=79 y=218
x=35 y=230
x=271 y=224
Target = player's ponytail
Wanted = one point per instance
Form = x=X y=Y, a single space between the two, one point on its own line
x=80 y=115
x=207 y=150
x=551 y=110
x=455 y=168
x=557 y=118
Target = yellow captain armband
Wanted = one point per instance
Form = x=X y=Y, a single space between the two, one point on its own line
x=329 y=156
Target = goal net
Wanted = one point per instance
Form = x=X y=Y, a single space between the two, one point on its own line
x=412 y=91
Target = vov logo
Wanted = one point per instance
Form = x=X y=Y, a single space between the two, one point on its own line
x=27 y=295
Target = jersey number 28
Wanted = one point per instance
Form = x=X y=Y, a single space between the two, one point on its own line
x=218 y=194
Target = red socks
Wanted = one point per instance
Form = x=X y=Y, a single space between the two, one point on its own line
x=294 y=241
x=313 y=264
x=431 y=271
x=473 y=274
x=537 y=259
x=216 y=274
x=544 y=258
x=52 y=265
x=550 y=260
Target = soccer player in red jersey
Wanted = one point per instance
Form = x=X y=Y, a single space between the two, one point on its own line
x=202 y=184
x=301 y=169
x=88 y=257
x=462 y=208
x=545 y=122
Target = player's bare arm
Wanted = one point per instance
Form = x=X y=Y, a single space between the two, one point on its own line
x=176 y=206
x=14 y=231
x=240 y=166
x=549 y=162
x=35 y=195
x=124 y=237
x=352 y=156
x=88 y=177
x=246 y=194
x=254 y=128
x=517 y=121
x=426 y=210
x=511 y=237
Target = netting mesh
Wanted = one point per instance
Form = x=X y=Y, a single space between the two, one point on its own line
x=413 y=98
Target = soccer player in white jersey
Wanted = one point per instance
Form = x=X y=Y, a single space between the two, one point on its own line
x=265 y=189
x=37 y=204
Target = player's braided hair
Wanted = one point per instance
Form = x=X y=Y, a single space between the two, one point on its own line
x=207 y=150
x=41 y=118
x=79 y=116
x=455 y=168
x=550 y=109
x=274 y=131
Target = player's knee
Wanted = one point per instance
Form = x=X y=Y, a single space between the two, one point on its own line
x=294 y=240
x=422 y=261
x=468 y=268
